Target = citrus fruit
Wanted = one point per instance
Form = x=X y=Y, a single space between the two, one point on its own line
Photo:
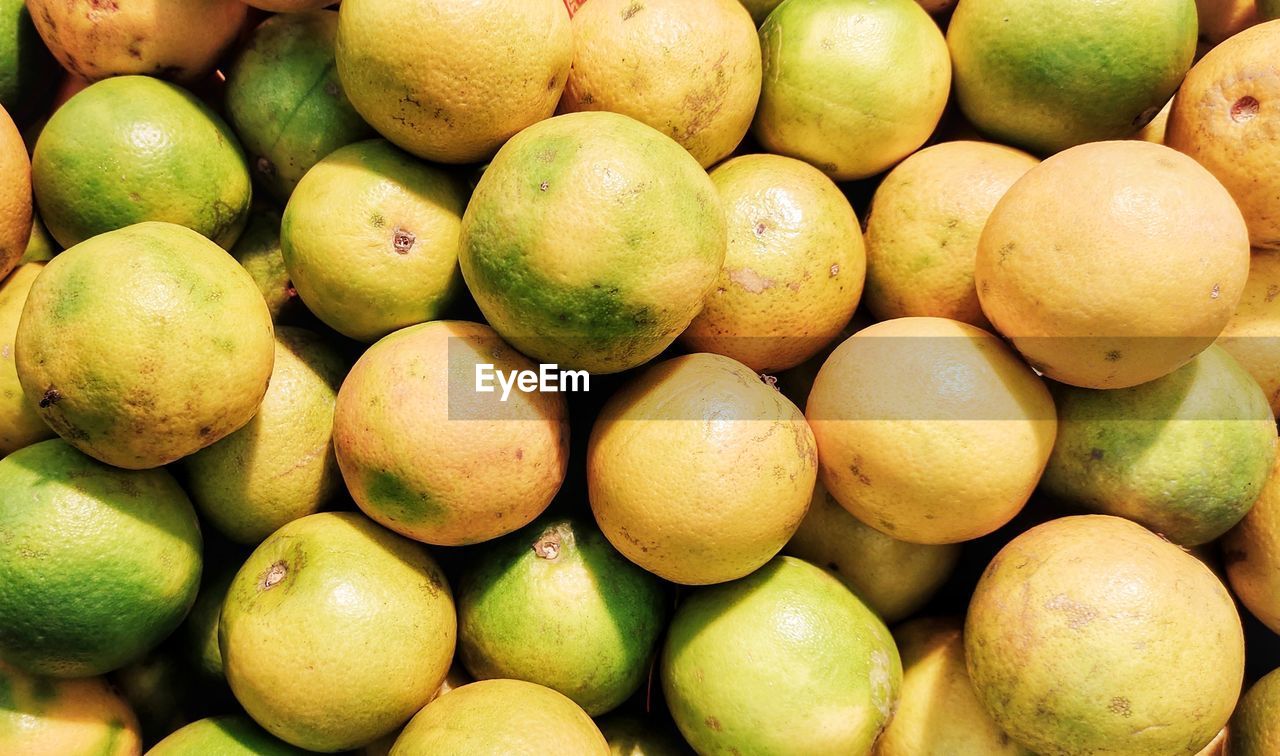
x=370 y=239
x=688 y=68
x=20 y=424
x=1140 y=452
x=198 y=635
x=1081 y=627
x=25 y=63
x=1252 y=336
x=785 y=660
x=1112 y=264
x=453 y=81
x=145 y=344
x=500 y=718
x=698 y=471
x=924 y=224
x=15 y=195
x=1222 y=19
x=1251 y=554
x=133 y=149
x=1224 y=116
x=760 y=9
x=456 y=678
x=894 y=578
x=1255 y=727
x=427 y=455
x=938 y=713
x=630 y=735
x=1047 y=75
x=335 y=631
x=97 y=564
x=1156 y=129
x=591 y=241
x=285 y=101
x=793 y=268
x=46 y=717
x=516 y=594
x=908 y=415
x=233 y=735
x=258 y=250
x=40 y=246
x=851 y=86
x=280 y=466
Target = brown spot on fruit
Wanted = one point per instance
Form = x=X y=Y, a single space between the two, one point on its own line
x=403 y=241
x=632 y=10
x=1120 y=705
x=51 y=396
x=548 y=546
x=1095 y=454
x=544 y=185
x=274 y=574
x=519 y=453
x=750 y=280
x=264 y=166
x=1244 y=109
x=713 y=723
x=1113 y=355
x=1216 y=291
x=835 y=269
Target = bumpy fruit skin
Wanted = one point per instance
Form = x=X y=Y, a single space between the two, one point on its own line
x=15 y=195
x=48 y=717
x=1046 y=75
x=1081 y=628
x=1251 y=554
x=452 y=81
x=1255 y=727
x=591 y=241
x=143 y=345
x=234 y=735
x=1252 y=336
x=20 y=424
x=785 y=660
x=97 y=564
x=258 y=250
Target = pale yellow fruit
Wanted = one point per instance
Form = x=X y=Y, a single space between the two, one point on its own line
x=20 y=424
x=48 y=717
x=1251 y=554
x=15 y=195
x=1252 y=335
x=1155 y=130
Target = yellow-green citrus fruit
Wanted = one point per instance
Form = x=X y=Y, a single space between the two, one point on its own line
x=851 y=86
x=453 y=81
x=501 y=718
x=96 y=39
x=20 y=424
x=1047 y=75
x=785 y=660
x=1140 y=452
x=1222 y=19
x=893 y=577
x=517 y=594
x=1225 y=117
x=631 y=735
x=924 y=224
x=198 y=635
x=938 y=713
x=258 y=250
x=1081 y=630
x=1255 y=727
x=793 y=269
x=133 y=149
x=234 y=735
x=15 y=195
x=335 y=631
x=280 y=466
x=25 y=62
x=1252 y=335
x=698 y=471
x=591 y=241
x=370 y=239
x=908 y=415
x=427 y=455
x=47 y=717
x=143 y=345
x=1251 y=554
x=688 y=68
x=1112 y=263
x=97 y=564
x=285 y=101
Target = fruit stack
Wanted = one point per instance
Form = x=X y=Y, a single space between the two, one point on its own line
x=437 y=378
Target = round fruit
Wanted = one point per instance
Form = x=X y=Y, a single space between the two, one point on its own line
x=1224 y=117
x=591 y=241
x=134 y=149
x=893 y=577
x=909 y=414
x=938 y=713
x=497 y=717
x=258 y=250
x=426 y=454
x=1255 y=727
x=1112 y=264
x=1047 y=75
x=630 y=735
x=793 y=269
x=44 y=717
x=198 y=636
x=143 y=345
x=1222 y=19
x=515 y=598
x=97 y=565
x=1081 y=627
x=698 y=471
x=20 y=424
x=285 y=101
x=281 y=465
x=785 y=660
x=688 y=68
x=1252 y=336
x=924 y=225
x=234 y=735
x=370 y=240
x=96 y=39
x=1140 y=452
x=25 y=63
x=335 y=631
x=15 y=195
x=851 y=86
x=1251 y=553
x=452 y=81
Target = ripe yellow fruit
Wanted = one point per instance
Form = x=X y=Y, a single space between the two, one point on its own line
x=48 y=717
x=1252 y=335
x=1251 y=554
x=1113 y=263
x=20 y=424
x=909 y=415
x=1255 y=726
x=15 y=195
